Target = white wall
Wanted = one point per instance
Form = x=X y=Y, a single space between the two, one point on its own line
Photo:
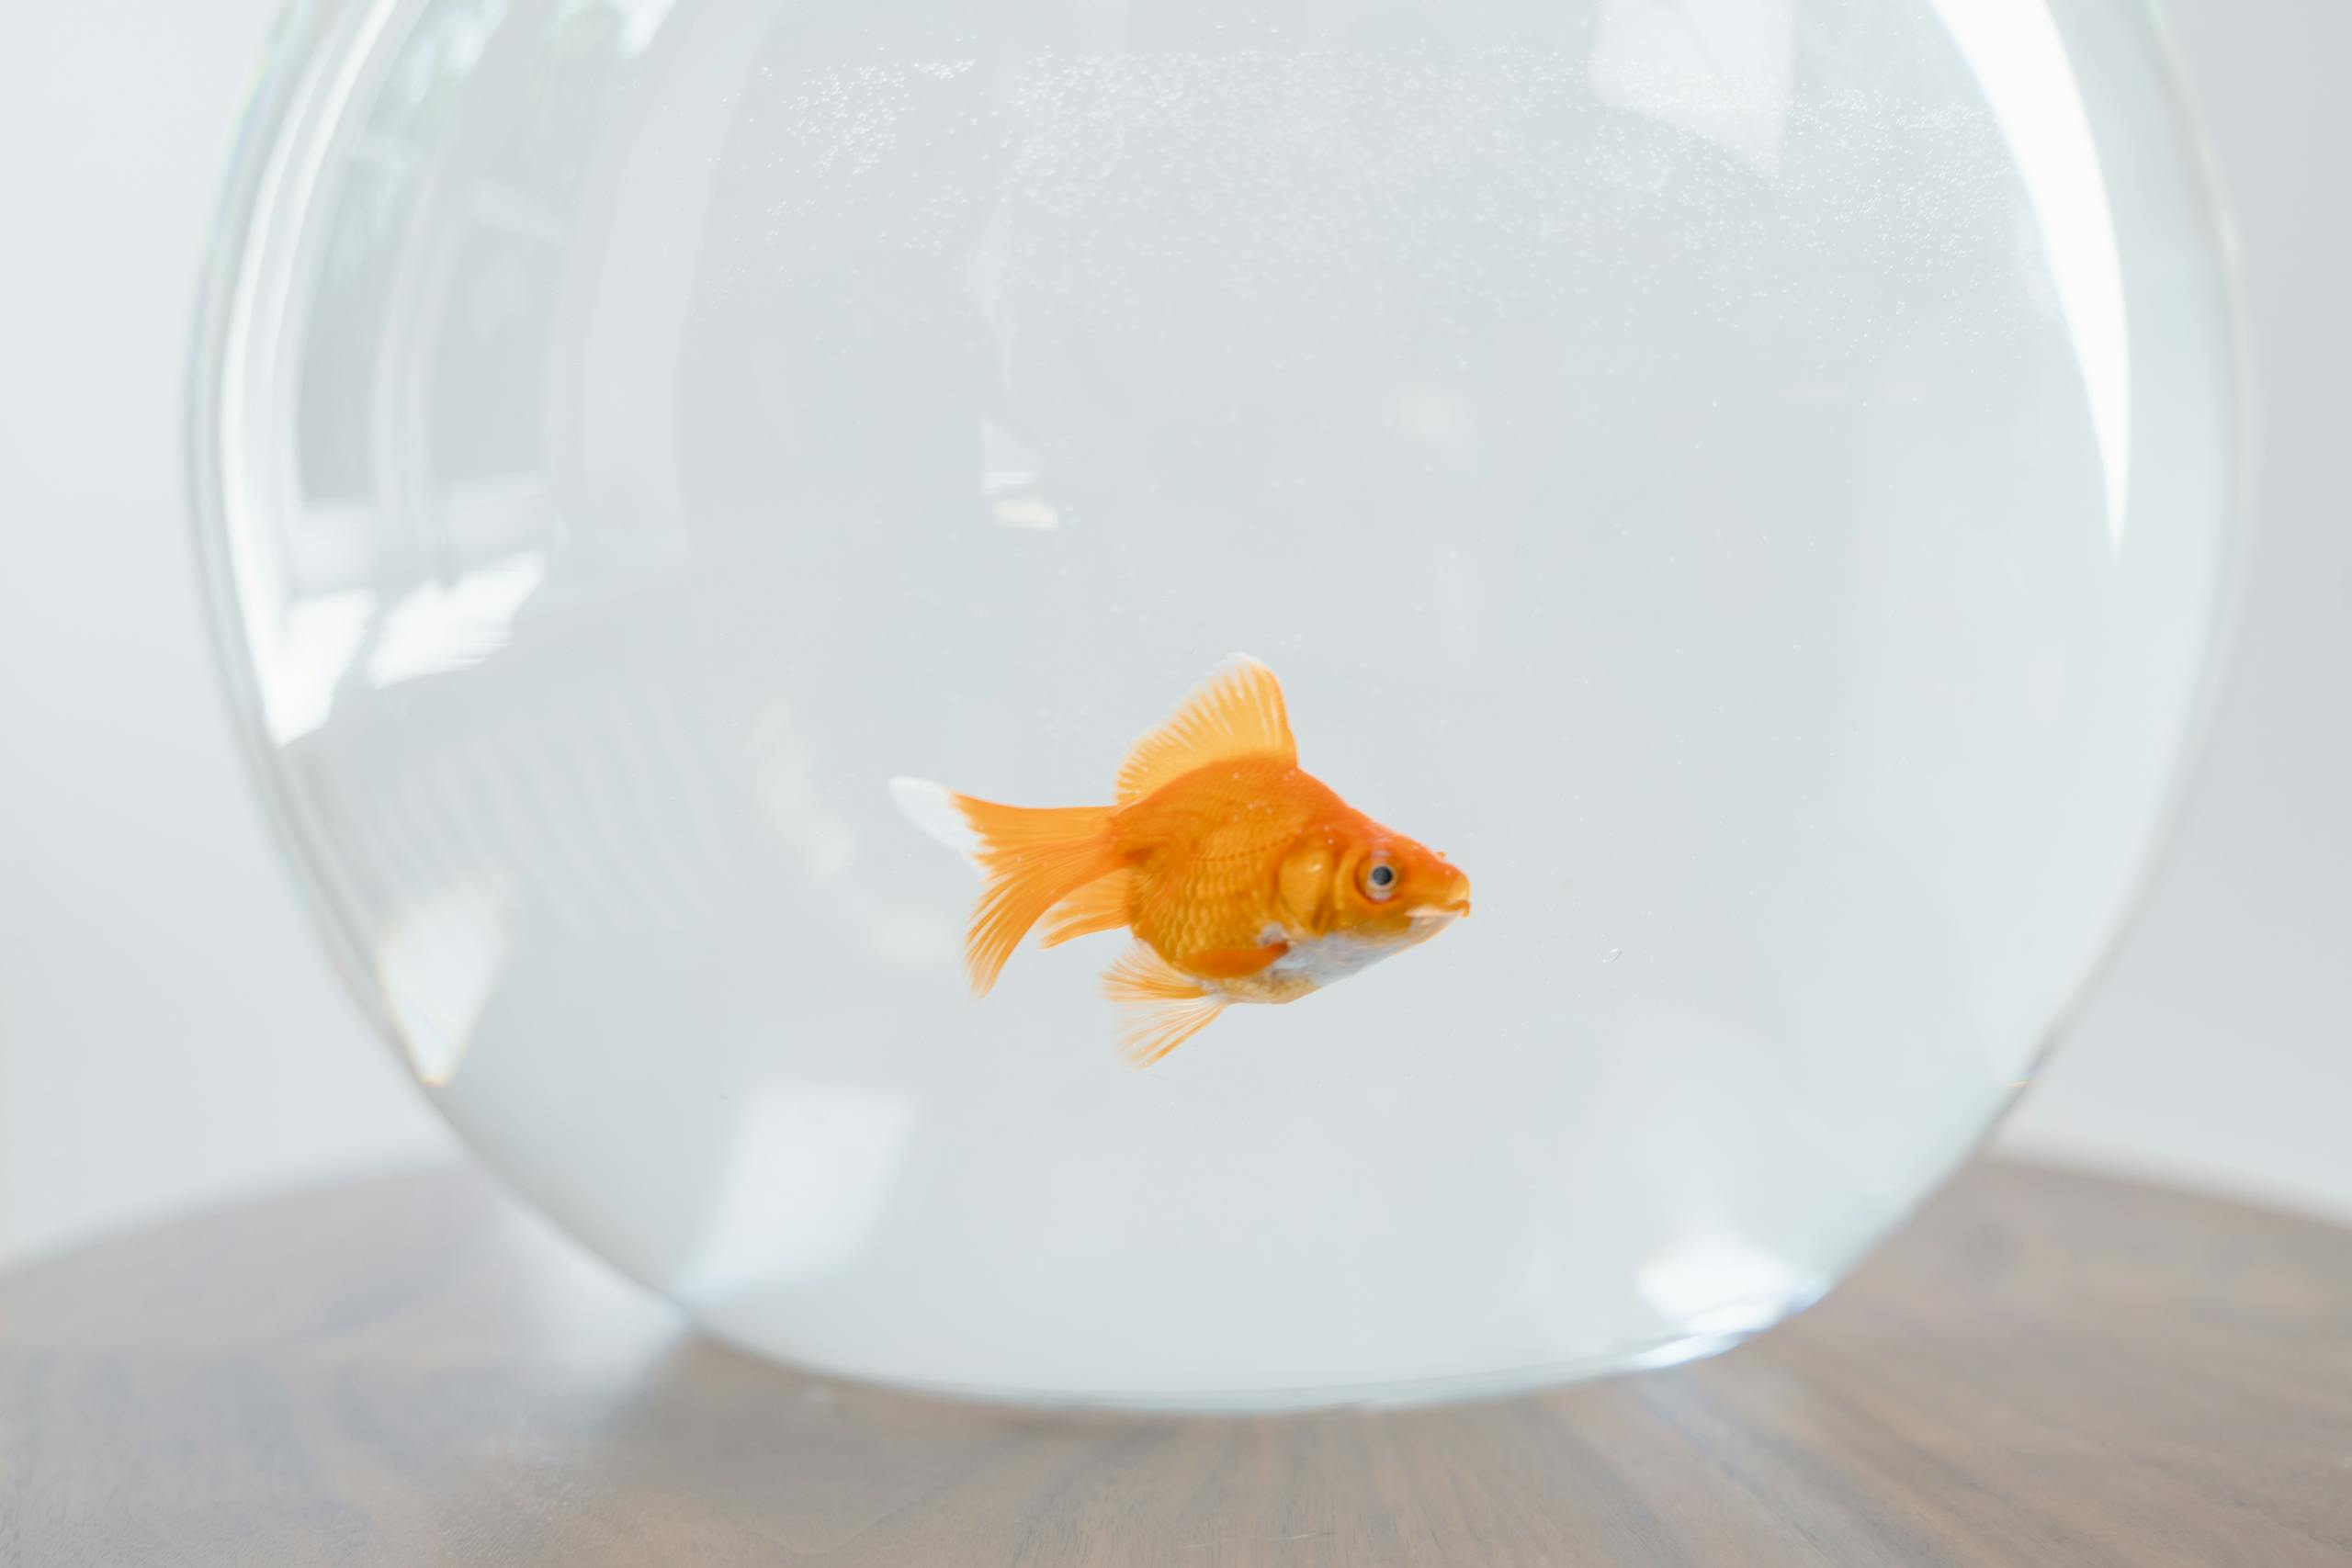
x=169 y=1032
x=2220 y=1045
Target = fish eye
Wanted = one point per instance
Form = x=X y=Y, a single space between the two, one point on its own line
x=1381 y=880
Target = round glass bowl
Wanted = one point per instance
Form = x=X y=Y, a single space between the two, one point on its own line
x=1753 y=482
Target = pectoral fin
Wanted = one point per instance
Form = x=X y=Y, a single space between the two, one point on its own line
x=1236 y=963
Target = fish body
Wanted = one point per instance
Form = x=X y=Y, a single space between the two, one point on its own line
x=1242 y=877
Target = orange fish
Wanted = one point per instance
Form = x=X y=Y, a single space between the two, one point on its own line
x=1243 y=877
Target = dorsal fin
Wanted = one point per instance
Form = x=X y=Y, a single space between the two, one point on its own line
x=1237 y=712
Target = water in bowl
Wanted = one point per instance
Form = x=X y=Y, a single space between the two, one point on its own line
x=1748 y=481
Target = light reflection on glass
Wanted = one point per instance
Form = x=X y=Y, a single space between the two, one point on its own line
x=314 y=643
x=443 y=626
x=1718 y=69
x=437 y=960
x=1718 y=1281
x=810 y=1168
x=2021 y=62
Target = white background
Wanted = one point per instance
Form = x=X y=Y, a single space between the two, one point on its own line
x=170 y=1036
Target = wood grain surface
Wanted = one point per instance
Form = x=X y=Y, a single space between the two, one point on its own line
x=2045 y=1369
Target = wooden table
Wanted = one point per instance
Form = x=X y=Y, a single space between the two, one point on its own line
x=2045 y=1369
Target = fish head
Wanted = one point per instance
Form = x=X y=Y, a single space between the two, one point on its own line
x=1387 y=886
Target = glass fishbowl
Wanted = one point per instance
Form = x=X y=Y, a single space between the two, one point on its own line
x=1753 y=483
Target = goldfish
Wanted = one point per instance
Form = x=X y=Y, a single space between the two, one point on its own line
x=1240 y=877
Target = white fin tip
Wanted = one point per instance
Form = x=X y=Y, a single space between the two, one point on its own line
x=933 y=808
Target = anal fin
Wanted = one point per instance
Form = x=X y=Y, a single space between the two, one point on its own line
x=1160 y=1006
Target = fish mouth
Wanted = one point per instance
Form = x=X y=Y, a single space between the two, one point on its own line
x=1454 y=910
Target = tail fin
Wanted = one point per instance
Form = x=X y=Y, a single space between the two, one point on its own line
x=933 y=808
x=1033 y=858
